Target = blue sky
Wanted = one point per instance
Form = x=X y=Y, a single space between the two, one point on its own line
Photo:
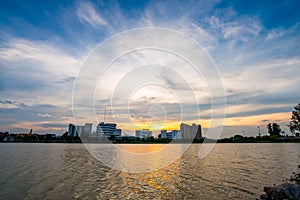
x=255 y=45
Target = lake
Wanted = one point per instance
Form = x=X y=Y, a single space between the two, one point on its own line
x=68 y=171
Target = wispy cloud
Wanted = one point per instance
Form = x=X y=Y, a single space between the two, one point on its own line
x=87 y=13
x=9 y=104
x=38 y=68
x=44 y=115
x=41 y=53
x=40 y=59
x=275 y=33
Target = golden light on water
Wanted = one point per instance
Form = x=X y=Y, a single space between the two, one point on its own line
x=141 y=148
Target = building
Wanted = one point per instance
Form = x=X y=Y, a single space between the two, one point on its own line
x=175 y=135
x=190 y=132
x=71 y=130
x=118 y=132
x=172 y=135
x=87 y=128
x=145 y=133
x=107 y=129
x=76 y=131
x=163 y=133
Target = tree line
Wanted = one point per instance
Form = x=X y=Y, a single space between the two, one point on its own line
x=294 y=124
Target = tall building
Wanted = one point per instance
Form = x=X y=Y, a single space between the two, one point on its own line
x=76 y=131
x=118 y=132
x=190 y=132
x=145 y=133
x=71 y=130
x=106 y=129
x=87 y=128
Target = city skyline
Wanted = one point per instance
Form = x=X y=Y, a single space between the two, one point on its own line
x=253 y=44
x=108 y=130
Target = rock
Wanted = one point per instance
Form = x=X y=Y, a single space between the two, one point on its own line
x=291 y=191
x=264 y=196
x=284 y=191
x=270 y=191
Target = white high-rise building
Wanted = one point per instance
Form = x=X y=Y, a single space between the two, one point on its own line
x=190 y=132
x=87 y=128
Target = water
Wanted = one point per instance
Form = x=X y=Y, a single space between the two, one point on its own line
x=68 y=171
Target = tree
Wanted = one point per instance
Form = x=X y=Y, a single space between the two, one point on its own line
x=274 y=129
x=270 y=130
x=295 y=121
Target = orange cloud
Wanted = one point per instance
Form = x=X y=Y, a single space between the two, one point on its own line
x=254 y=120
x=257 y=119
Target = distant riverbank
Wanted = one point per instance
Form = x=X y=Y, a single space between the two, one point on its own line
x=259 y=139
x=136 y=140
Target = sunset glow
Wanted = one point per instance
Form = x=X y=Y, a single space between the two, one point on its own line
x=44 y=48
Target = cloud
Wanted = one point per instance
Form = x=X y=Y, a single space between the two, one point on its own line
x=37 y=70
x=87 y=13
x=259 y=65
x=9 y=104
x=275 y=33
x=241 y=29
x=44 y=115
x=41 y=53
x=53 y=125
x=234 y=41
x=22 y=118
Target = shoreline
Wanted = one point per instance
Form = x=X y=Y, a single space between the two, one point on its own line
x=53 y=142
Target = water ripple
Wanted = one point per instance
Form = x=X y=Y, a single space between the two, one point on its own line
x=67 y=171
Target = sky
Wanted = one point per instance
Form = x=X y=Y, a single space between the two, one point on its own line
x=253 y=44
